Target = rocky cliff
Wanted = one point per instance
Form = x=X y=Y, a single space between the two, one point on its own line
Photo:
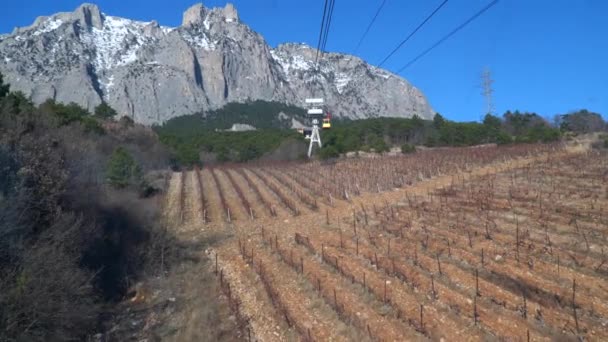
x=153 y=73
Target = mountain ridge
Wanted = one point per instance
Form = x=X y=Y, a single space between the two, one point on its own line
x=153 y=73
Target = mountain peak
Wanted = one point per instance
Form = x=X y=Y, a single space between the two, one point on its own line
x=194 y=15
x=230 y=13
x=89 y=15
x=198 y=13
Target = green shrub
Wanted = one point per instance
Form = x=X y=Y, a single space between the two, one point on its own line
x=408 y=148
x=104 y=111
x=91 y=125
x=503 y=138
x=328 y=152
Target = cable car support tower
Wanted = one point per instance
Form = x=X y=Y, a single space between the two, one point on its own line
x=315 y=112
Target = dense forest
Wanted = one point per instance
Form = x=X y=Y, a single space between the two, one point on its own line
x=380 y=134
x=202 y=138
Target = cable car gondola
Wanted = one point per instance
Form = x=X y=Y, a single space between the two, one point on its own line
x=327 y=121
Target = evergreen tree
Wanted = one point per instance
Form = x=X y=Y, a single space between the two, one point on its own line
x=104 y=111
x=438 y=121
x=4 y=88
x=122 y=169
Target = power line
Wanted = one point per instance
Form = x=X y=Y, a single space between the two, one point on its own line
x=369 y=26
x=446 y=37
x=413 y=32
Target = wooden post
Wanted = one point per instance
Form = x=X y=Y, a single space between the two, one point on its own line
x=449 y=249
x=327 y=216
x=475 y=309
x=323 y=252
x=335 y=298
x=482 y=259
x=385 y=291
x=216 y=263
x=302 y=264
x=364 y=284
x=517 y=239
x=357 y=242
x=376 y=259
x=421 y=317
x=438 y=263
x=477 y=293
x=525 y=313
x=574 y=305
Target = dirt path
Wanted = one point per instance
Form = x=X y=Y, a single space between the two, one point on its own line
x=270 y=196
x=193 y=216
x=255 y=304
x=172 y=199
x=239 y=212
x=260 y=211
x=216 y=213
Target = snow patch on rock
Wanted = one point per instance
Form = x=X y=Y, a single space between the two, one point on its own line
x=201 y=40
x=117 y=42
x=48 y=26
x=342 y=81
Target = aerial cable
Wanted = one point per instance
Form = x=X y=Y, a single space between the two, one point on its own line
x=369 y=26
x=328 y=26
x=413 y=33
x=321 y=31
x=446 y=37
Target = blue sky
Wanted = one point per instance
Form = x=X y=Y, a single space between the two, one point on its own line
x=546 y=56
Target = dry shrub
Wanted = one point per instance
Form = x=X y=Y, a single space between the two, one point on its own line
x=69 y=244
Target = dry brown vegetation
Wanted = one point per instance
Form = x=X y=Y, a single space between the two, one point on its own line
x=462 y=244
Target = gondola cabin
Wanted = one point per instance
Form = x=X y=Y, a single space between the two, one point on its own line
x=327 y=121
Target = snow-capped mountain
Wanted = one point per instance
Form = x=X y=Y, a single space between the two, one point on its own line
x=153 y=73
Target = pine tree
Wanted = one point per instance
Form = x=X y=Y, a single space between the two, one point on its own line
x=122 y=169
x=4 y=88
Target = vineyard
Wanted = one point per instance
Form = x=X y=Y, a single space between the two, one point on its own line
x=488 y=243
